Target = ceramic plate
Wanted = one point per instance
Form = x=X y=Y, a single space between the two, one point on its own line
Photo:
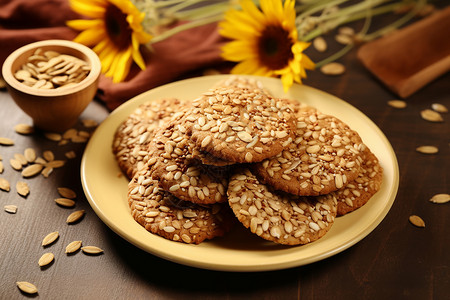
x=239 y=250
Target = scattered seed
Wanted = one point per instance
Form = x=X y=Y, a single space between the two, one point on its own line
x=47 y=171
x=22 y=188
x=89 y=123
x=439 y=108
x=45 y=259
x=75 y=216
x=15 y=164
x=431 y=115
x=55 y=163
x=440 y=198
x=56 y=137
x=24 y=129
x=50 y=238
x=333 y=68
x=32 y=170
x=6 y=141
x=344 y=39
x=27 y=287
x=320 y=44
x=427 y=149
x=65 y=202
x=416 y=221
x=12 y=209
x=397 y=103
x=1 y=167
x=30 y=155
x=73 y=247
x=66 y=193
x=70 y=154
x=4 y=185
x=91 y=250
x=346 y=30
x=48 y=155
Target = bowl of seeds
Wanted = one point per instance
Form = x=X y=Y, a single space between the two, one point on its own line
x=52 y=81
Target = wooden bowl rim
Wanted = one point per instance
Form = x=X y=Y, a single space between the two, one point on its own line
x=91 y=58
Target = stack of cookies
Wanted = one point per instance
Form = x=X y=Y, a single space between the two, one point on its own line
x=282 y=169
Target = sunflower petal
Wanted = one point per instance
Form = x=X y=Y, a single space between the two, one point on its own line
x=90 y=36
x=87 y=9
x=84 y=24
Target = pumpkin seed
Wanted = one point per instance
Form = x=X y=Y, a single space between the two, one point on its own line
x=397 y=103
x=15 y=164
x=22 y=188
x=73 y=247
x=440 y=198
x=30 y=155
x=75 y=216
x=6 y=141
x=4 y=185
x=56 y=137
x=333 y=68
x=48 y=155
x=66 y=193
x=320 y=44
x=24 y=129
x=439 y=108
x=416 y=221
x=50 y=238
x=427 y=149
x=65 y=202
x=45 y=259
x=431 y=115
x=32 y=170
x=10 y=208
x=27 y=287
x=91 y=250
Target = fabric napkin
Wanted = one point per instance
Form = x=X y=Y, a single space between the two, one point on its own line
x=408 y=59
x=26 y=21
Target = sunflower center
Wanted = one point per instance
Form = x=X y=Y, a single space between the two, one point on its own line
x=117 y=27
x=274 y=47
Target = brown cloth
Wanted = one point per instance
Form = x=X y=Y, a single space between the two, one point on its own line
x=26 y=21
x=408 y=59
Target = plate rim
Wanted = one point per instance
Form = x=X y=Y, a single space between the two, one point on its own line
x=135 y=101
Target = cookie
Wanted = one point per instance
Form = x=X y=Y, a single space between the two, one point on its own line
x=240 y=82
x=163 y=214
x=135 y=133
x=240 y=124
x=276 y=216
x=171 y=162
x=356 y=193
x=324 y=156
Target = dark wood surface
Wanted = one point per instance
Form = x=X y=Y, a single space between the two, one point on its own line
x=395 y=261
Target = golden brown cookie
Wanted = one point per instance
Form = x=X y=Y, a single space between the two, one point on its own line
x=356 y=193
x=240 y=124
x=135 y=133
x=277 y=216
x=163 y=214
x=324 y=156
x=171 y=162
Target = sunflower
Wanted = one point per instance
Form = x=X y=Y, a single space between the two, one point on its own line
x=265 y=41
x=114 y=31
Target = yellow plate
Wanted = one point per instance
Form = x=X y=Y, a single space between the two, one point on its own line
x=239 y=250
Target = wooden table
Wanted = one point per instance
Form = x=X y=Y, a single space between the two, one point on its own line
x=395 y=261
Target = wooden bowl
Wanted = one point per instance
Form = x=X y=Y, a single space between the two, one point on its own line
x=54 y=109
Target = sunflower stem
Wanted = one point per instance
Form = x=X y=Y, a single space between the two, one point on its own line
x=335 y=56
x=184 y=27
x=201 y=12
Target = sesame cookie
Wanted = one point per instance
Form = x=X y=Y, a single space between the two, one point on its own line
x=163 y=214
x=356 y=193
x=277 y=216
x=171 y=162
x=324 y=156
x=135 y=133
x=240 y=124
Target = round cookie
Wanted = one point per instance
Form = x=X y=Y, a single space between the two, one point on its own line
x=356 y=193
x=171 y=162
x=240 y=124
x=277 y=216
x=324 y=156
x=163 y=214
x=135 y=133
